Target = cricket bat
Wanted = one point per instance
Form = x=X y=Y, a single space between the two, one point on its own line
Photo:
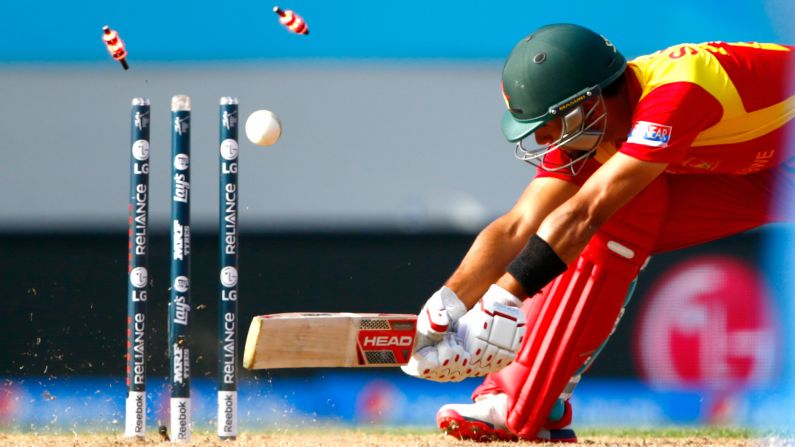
x=348 y=340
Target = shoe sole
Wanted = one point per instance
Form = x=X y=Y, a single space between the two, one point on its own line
x=457 y=426
x=464 y=428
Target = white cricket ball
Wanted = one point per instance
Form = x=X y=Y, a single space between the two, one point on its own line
x=263 y=128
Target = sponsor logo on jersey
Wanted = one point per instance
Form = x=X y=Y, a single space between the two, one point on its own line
x=701 y=163
x=650 y=134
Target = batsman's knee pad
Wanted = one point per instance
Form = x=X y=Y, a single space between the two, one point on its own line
x=573 y=317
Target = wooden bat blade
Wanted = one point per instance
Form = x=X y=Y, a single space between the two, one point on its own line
x=311 y=340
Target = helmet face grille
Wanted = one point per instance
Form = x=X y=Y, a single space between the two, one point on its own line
x=582 y=130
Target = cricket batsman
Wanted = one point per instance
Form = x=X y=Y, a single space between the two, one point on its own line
x=669 y=150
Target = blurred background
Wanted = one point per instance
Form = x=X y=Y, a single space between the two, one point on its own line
x=390 y=162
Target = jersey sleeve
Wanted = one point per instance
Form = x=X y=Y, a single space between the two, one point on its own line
x=667 y=120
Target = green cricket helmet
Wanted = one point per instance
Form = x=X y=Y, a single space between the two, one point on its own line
x=554 y=72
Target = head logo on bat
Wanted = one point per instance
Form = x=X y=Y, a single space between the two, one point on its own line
x=386 y=341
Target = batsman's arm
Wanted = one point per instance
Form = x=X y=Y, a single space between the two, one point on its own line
x=437 y=355
x=564 y=233
x=501 y=240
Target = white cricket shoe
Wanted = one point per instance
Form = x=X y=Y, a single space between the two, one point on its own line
x=484 y=421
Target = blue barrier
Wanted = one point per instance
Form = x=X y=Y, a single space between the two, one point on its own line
x=358 y=399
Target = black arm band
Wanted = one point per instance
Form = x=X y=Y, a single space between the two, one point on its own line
x=536 y=265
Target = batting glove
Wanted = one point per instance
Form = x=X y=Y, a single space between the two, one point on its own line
x=444 y=361
x=439 y=315
x=492 y=331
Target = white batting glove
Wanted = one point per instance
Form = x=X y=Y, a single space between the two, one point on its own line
x=439 y=315
x=492 y=332
x=445 y=361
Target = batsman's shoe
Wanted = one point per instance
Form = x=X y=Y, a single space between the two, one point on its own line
x=484 y=421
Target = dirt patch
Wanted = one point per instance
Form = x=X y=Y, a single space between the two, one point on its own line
x=354 y=439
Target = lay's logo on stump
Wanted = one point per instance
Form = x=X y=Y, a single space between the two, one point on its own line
x=650 y=134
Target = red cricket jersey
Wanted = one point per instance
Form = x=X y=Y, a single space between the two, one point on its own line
x=706 y=108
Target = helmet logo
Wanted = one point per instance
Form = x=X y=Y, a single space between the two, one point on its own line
x=540 y=58
x=575 y=100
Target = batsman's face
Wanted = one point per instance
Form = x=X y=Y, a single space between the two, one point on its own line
x=549 y=132
x=559 y=132
x=577 y=132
